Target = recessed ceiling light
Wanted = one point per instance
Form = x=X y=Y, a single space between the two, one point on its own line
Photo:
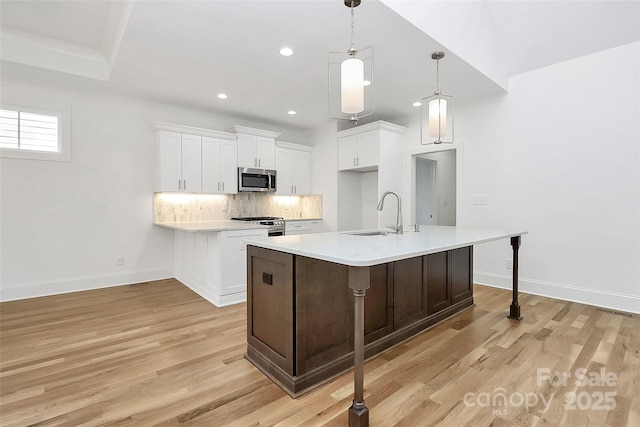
x=291 y=112
x=417 y=104
x=366 y=83
x=222 y=96
x=286 y=51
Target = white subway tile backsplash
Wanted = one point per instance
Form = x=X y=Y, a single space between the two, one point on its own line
x=209 y=207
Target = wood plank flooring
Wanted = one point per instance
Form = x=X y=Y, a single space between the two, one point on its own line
x=158 y=354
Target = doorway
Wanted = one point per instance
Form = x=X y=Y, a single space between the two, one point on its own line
x=426 y=212
x=435 y=188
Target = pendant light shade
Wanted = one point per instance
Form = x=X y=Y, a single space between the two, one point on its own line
x=436 y=113
x=351 y=79
x=352 y=86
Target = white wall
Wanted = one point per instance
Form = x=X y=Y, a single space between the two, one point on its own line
x=65 y=223
x=560 y=156
x=461 y=26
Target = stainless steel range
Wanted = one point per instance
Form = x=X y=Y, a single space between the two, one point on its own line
x=275 y=223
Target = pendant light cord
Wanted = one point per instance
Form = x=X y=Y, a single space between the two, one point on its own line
x=353 y=42
x=437 y=77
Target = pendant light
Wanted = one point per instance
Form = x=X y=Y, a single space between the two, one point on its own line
x=436 y=113
x=351 y=78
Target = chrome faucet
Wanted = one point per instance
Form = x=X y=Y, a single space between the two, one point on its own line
x=398 y=226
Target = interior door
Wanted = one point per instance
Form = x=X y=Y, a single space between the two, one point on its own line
x=426 y=212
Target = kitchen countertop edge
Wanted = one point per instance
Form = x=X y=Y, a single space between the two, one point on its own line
x=365 y=251
x=215 y=225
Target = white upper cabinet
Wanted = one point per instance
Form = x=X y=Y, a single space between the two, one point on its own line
x=191 y=163
x=219 y=165
x=359 y=148
x=196 y=160
x=359 y=152
x=179 y=162
x=256 y=147
x=256 y=152
x=293 y=166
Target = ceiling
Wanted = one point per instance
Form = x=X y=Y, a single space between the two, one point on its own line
x=186 y=52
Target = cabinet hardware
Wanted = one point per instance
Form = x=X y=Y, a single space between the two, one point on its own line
x=358 y=161
x=259 y=162
x=179 y=184
x=267 y=278
x=295 y=189
x=223 y=186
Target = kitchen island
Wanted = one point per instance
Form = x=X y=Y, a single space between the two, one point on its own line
x=306 y=294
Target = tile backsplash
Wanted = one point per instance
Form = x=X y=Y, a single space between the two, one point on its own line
x=168 y=207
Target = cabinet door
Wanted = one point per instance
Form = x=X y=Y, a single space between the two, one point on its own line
x=368 y=150
x=191 y=163
x=247 y=157
x=211 y=165
x=169 y=161
x=461 y=269
x=266 y=152
x=439 y=296
x=233 y=260
x=229 y=166
x=409 y=292
x=270 y=326
x=347 y=152
x=301 y=178
x=284 y=165
x=316 y=227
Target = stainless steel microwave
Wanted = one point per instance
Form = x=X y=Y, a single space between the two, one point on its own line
x=250 y=179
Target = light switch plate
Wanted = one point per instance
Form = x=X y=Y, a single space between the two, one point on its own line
x=480 y=199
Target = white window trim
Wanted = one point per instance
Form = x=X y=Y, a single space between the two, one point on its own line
x=64 y=136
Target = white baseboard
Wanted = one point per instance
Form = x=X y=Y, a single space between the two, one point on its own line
x=208 y=292
x=224 y=300
x=611 y=300
x=76 y=284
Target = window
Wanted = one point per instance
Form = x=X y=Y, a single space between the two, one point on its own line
x=33 y=134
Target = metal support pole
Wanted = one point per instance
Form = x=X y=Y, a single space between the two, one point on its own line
x=514 y=309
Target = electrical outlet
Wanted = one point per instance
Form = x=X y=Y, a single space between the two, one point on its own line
x=120 y=260
x=509 y=264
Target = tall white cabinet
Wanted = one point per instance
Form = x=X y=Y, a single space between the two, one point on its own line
x=369 y=160
x=256 y=147
x=293 y=162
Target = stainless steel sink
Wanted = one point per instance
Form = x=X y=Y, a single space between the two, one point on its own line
x=368 y=233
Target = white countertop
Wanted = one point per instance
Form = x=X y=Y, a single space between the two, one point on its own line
x=219 y=225
x=362 y=251
x=302 y=219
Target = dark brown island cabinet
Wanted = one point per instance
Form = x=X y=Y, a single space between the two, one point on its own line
x=300 y=316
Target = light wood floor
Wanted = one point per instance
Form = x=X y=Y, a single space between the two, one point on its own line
x=158 y=354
